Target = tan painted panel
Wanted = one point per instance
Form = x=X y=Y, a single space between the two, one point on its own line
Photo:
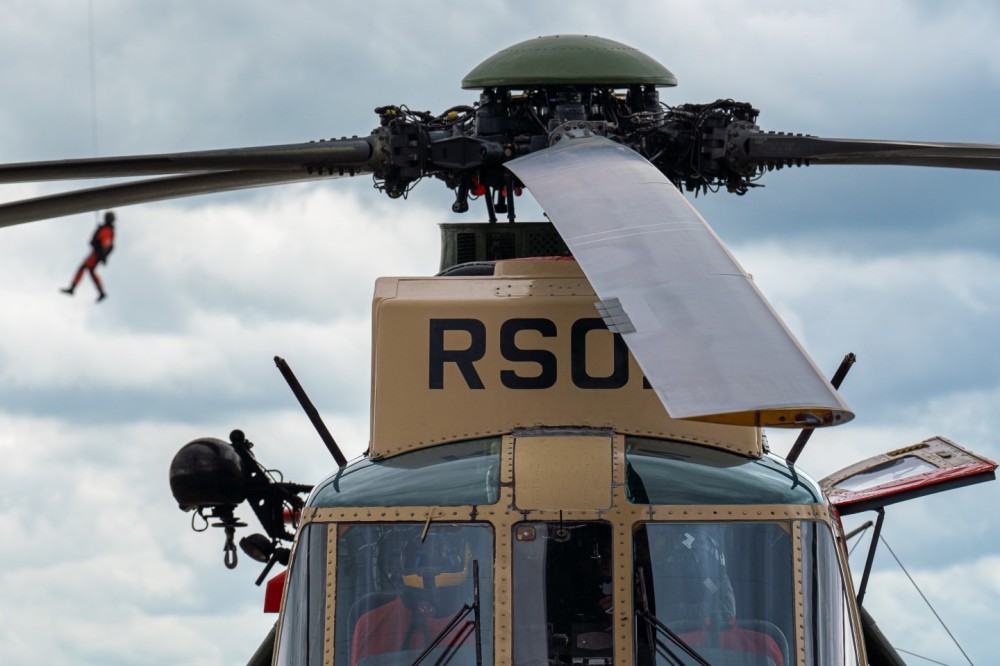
x=465 y=357
x=331 y=594
x=584 y=479
x=800 y=610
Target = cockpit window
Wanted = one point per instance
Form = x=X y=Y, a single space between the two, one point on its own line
x=563 y=587
x=403 y=588
x=462 y=474
x=891 y=470
x=670 y=472
x=301 y=638
x=829 y=633
x=726 y=590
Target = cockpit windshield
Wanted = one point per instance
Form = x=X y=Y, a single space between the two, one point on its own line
x=455 y=566
x=726 y=589
x=459 y=474
x=403 y=586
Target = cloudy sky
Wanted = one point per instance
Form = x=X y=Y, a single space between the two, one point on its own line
x=899 y=265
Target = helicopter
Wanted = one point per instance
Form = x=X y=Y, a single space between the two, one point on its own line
x=801 y=415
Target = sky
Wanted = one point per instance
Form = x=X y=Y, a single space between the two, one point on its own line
x=899 y=265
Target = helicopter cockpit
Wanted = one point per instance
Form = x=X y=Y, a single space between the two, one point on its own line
x=444 y=572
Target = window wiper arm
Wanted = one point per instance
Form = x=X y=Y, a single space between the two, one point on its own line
x=462 y=612
x=655 y=626
x=663 y=629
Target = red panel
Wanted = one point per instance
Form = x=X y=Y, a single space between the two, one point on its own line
x=273 y=593
x=932 y=478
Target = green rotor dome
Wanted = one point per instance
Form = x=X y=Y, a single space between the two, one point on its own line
x=568 y=60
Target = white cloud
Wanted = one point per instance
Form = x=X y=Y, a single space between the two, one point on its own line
x=963 y=594
x=100 y=566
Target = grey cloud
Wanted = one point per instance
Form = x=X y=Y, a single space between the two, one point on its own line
x=205 y=291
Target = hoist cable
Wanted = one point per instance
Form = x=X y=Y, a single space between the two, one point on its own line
x=94 y=144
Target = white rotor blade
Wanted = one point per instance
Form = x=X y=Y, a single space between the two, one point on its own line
x=709 y=343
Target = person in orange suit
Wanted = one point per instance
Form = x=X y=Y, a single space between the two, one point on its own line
x=101 y=244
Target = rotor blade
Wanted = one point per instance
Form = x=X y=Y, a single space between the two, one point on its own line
x=764 y=149
x=318 y=156
x=707 y=340
x=142 y=191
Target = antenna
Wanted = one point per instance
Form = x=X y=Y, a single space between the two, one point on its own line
x=803 y=438
x=311 y=412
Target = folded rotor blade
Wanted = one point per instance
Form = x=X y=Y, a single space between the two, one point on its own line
x=142 y=191
x=317 y=156
x=764 y=149
x=707 y=340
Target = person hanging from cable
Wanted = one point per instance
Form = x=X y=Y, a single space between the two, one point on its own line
x=101 y=244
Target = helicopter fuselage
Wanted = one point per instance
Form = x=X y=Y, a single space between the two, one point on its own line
x=527 y=499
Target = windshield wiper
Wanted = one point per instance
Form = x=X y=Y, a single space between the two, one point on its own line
x=655 y=627
x=662 y=648
x=462 y=612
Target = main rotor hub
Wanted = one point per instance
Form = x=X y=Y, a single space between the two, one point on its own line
x=568 y=60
